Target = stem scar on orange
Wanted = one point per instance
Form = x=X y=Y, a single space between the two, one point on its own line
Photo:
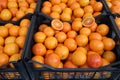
x=57 y=24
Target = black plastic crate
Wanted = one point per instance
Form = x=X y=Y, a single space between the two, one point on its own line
x=19 y=71
x=104 y=73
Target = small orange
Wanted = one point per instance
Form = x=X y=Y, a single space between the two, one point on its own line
x=51 y=42
x=84 y=3
x=65 y=16
x=63 y=6
x=54 y=2
x=3 y=31
x=64 y=1
x=62 y=51
x=52 y=60
x=55 y=15
x=46 y=10
x=19 y=14
x=20 y=41
x=25 y=23
x=30 y=1
x=98 y=6
x=56 y=8
x=13 y=11
x=47 y=3
x=96 y=14
x=24 y=9
x=61 y=36
x=109 y=43
x=69 y=64
x=95 y=35
x=66 y=27
x=110 y=56
x=103 y=29
x=8 y=25
x=29 y=10
x=70 y=44
x=88 y=9
x=105 y=62
x=42 y=27
x=87 y=15
x=81 y=40
x=60 y=65
x=92 y=2
x=10 y=39
x=57 y=24
x=23 y=31
x=4 y=59
x=12 y=4
x=93 y=27
x=14 y=57
x=1 y=41
x=76 y=25
x=14 y=31
x=38 y=59
x=23 y=4
x=33 y=5
x=96 y=45
x=11 y=48
x=14 y=19
x=39 y=37
x=49 y=31
x=72 y=34
x=78 y=12
x=70 y=2
x=74 y=5
x=67 y=10
x=39 y=49
x=86 y=31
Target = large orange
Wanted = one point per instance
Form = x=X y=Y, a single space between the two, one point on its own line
x=38 y=59
x=85 y=31
x=20 y=41
x=78 y=12
x=11 y=49
x=62 y=52
x=72 y=34
x=47 y=3
x=49 y=31
x=84 y=50
x=98 y=6
x=70 y=44
x=39 y=37
x=65 y=16
x=78 y=58
x=52 y=60
x=74 y=5
x=95 y=35
x=3 y=31
x=51 y=42
x=88 y=9
x=66 y=27
x=25 y=23
x=4 y=59
x=69 y=64
x=14 y=31
x=10 y=39
x=46 y=10
x=76 y=25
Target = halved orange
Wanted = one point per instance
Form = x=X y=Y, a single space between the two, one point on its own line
x=57 y=24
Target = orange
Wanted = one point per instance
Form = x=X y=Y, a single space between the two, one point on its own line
x=78 y=58
x=72 y=34
x=5 y=15
x=29 y=10
x=25 y=23
x=61 y=36
x=51 y=42
x=109 y=4
x=14 y=31
x=12 y=4
x=55 y=15
x=87 y=15
x=42 y=27
x=23 y=31
x=69 y=57
x=78 y=12
x=109 y=43
x=88 y=9
x=84 y=50
x=93 y=27
x=46 y=10
x=92 y=2
x=97 y=6
x=70 y=2
x=11 y=48
x=87 y=47
x=60 y=65
x=3 y=4
x=49 y=52
x=39 y=59
x=62 y=52
x=33 y=5
x=14 y=19
x=30 y=1
x=3 y=31
x=1 y=41
x=20 y=41
x=4 y=59
x=74 y=5
x=83 y=3
x=10 y=39
x=55 y=2
x=20 y=14
x=84 y=66
x=94 y=60
x=105 y=62
x=13 y=11
x=49 y=31
x=8 y=25
x=12 y=0
x=79 y=19
x=69 y=64
x=39 y=49
x=96 y=14
x=64 y=1
x=52 y=60
x=47 y=3
x=57 y=24
x=115 y=2
x=91 y=52
x=115 y=9
x=23 y=4
x=109 y=56
x=85 y=31
x=67 y=10
x=76 y=25
x=24 y=9
x=62 y=5
x=100 y=52
x=117 y=20
x=81 y=40
x=65 y=16
x=66 y=27
x=14 y=57
x=103 y=29
x=56 y=8
x=70 y=44
x=95 y=35
x=96 y=45
x=39 y=37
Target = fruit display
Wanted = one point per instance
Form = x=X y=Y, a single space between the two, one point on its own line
x=16 y=9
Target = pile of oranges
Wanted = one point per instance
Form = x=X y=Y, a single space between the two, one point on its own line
x=75 y=45
x=12 y=38
x=16 y=9
x=68 y=10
